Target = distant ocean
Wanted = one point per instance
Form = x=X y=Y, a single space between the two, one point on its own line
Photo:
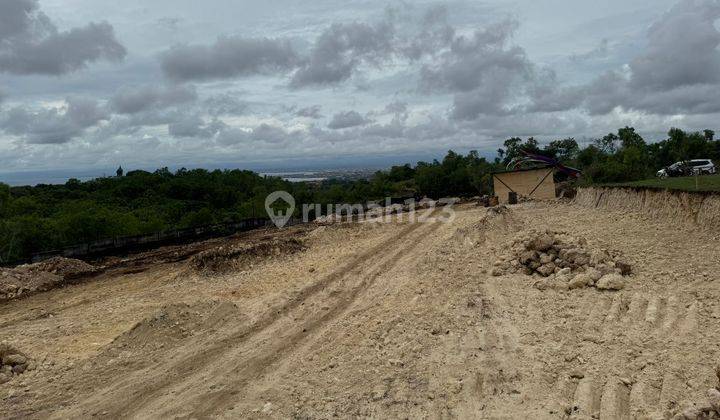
x=49 y=177
x=60 y=177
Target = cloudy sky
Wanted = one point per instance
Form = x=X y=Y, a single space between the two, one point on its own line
x=148 y=83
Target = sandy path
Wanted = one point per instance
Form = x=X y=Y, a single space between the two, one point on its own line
x=394 y=320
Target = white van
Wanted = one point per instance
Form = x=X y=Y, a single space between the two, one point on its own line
x=688 y=168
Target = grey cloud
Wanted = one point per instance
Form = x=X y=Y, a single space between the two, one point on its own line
x=488 y=99
x=17 y=15
x=605 y=93
x=526 y=125
x=53 y=125
x=599 y=52
x=334 y=57
x=225 y=104
x=678 y=73
x=682 y=48
x=126 y=124
x=341 y=49
x=435 y=127
x=264 y=133
x=232 y=136
x=472 y=60
x=131 y=100
x=188 y=127
x=194 y=126
x=434 y=35
x=310 y=112
x=171 y=23
x=31 y=44
x=695 y=99
x=175 y=106
x=396 y=129
x=85 y=112
x=269 y=134
x=397 y=108
x=483 y=71
x=547 y=94
x=346 y=120
x=228 y=57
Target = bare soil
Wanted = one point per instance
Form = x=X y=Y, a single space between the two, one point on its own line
x=379 y=320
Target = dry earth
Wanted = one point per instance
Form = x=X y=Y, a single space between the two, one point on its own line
x=382 y=320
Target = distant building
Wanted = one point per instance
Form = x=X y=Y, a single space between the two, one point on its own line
x=120 y=172
x=535 y=182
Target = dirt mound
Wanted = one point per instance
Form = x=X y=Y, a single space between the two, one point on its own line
x=39 y=277
x=13 y=362
x=19 y=282
x=224 y=259
x=563 y=262
x=68 y=268
x=498 y=220
x=171 y=325
x=682 y=207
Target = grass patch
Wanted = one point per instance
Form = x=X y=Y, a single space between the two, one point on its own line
x=704 y=183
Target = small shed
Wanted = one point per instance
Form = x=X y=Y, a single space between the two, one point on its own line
x=534 y=182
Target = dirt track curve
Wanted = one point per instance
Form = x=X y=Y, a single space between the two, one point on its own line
x=400 y=320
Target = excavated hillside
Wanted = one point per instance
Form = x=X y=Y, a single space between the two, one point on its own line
x=583 y=309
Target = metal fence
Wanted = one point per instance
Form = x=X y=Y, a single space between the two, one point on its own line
x=128 y=244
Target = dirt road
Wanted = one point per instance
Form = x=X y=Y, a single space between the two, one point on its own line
x=383 y=320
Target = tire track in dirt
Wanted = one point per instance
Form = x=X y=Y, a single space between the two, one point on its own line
x=631 y=392
x=652 y=316
x=265 y=358
x=498 y=378
x=130 y=395
x=613 y=397
x=408 y=269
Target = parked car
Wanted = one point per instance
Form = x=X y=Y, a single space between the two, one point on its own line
x=688 y=168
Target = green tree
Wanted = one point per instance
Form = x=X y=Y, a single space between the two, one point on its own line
x=709 y=135
x=629 y=138
x=514 y=148
x=4 y=197
x=607 y=144
x=566 y=150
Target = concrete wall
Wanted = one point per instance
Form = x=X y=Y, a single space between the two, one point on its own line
x=524 y=182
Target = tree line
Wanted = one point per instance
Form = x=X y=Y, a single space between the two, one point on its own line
x=45 y=217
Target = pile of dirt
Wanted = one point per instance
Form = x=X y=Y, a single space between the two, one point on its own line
x=224 y=259
x=563 y=261
x=17 y=282
x=172 y=324
x=498 y=220
x=13 y=362
x=39 y=277
x=68 y=268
